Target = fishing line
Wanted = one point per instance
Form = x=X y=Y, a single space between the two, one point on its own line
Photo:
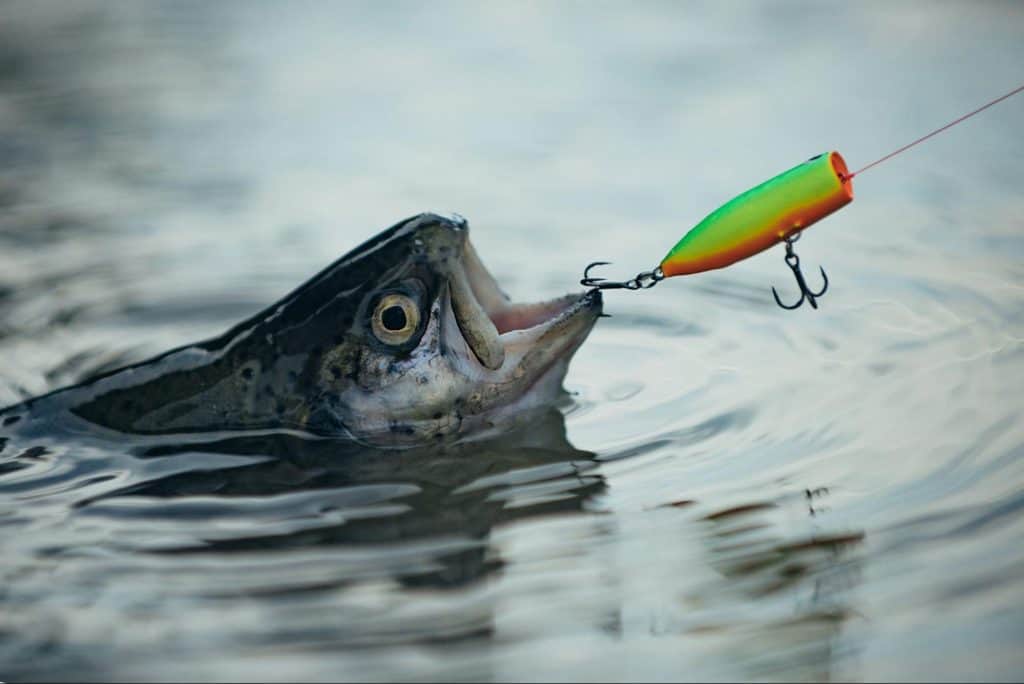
x=937 y=131
x=775 y=211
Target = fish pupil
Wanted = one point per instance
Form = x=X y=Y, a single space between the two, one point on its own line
x=393 y=318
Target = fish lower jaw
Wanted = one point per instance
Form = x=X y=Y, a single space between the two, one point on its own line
x=558 y=336
x=541 y=393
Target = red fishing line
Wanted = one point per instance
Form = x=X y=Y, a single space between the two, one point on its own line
x=937 y=131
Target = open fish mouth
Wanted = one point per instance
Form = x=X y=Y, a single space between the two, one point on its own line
x=517 y=340
x=482 y=362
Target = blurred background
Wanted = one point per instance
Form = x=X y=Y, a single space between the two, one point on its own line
x=848 y=482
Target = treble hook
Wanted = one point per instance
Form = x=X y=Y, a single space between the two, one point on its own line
x=793 y=261
x=644 y=280
x=590 y=281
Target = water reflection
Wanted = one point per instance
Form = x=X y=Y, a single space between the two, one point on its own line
x=308 y=493
x=338 y=542
x=815 y=575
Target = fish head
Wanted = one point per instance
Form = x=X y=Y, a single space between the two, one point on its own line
x=424 y=344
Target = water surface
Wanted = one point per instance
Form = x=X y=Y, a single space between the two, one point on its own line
x=731 y=491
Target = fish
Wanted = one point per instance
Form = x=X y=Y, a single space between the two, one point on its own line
x=406 y=339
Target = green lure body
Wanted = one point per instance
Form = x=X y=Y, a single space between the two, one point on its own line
x=763 y=216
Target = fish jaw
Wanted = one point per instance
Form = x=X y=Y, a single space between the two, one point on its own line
x=536 y=358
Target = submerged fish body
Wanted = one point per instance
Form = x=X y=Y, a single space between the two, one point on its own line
x=406 y=339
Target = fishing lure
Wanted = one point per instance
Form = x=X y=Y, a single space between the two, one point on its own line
x=775 y=211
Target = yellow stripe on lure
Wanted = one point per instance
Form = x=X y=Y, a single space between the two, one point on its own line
x=774 y=211
x=763 y=216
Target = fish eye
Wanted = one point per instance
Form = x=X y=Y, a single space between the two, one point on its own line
x=395 y=319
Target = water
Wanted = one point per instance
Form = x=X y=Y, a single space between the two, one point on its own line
x=733 y=491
